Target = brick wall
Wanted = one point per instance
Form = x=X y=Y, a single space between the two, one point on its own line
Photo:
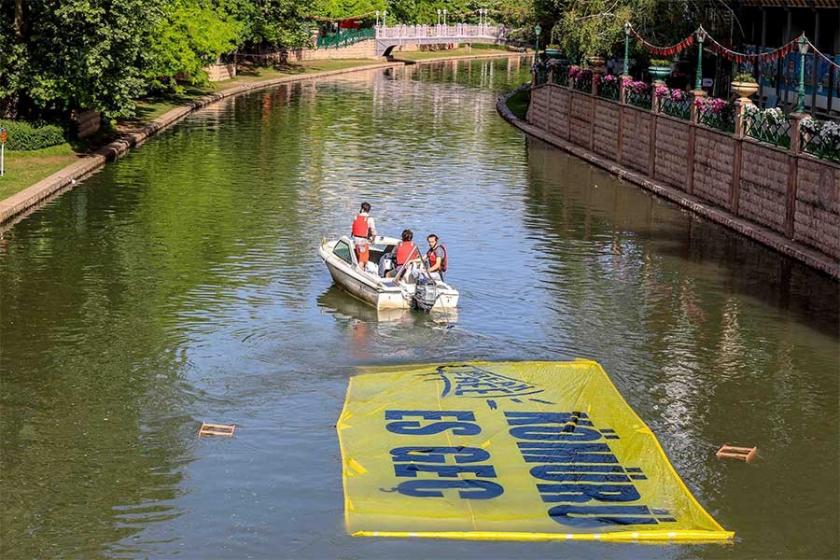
x=763 y=192
x=635 y=138
x=672 y=151
x=817 y=217
x=714 y=154
x=219 y=72
x=559 y=112
x=362 y=49
x=737 y=175
x=538 y=108
x=606 y=129
x=580 y=131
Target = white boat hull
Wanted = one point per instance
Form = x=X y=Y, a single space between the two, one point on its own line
x=381 y=293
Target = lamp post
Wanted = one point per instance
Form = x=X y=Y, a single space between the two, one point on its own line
x=444 y=17
x=384 y=16
x=377 y=18
x=627 y=48
x=537 y=31
x=800 y=95
x=701 y=36
x=438 y=12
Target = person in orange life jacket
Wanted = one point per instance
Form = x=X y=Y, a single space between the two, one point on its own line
x=436 y=257
x=405 y=251
x=363 y=230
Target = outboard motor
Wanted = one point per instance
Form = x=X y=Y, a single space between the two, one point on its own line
x=425 y=294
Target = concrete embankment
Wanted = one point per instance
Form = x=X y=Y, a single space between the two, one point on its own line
x=791 y=247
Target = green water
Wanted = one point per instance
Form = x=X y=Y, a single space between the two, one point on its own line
x=182 y=284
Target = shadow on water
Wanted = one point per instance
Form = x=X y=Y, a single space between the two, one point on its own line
x=589 y=203
x=346 y=308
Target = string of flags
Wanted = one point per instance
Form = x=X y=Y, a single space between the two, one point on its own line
x=663 y=51
x=721 y=50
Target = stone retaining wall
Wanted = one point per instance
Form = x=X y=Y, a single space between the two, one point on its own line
x=792 y=194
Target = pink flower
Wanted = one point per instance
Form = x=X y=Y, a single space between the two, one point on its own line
x=662 y=91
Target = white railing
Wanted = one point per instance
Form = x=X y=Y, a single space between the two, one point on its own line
x=459 y=30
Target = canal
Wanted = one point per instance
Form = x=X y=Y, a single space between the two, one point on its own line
x=182 y=284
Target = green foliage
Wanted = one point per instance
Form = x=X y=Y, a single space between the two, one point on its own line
x=190 y=35
x=278 y=22
x=24 y=136
x=348 y=8
x=660 y=62
x=744 y=77
x=62 y=54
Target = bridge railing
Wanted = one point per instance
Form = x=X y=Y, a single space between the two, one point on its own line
x=459 y=30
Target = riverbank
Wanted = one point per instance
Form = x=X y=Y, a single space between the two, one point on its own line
x=34 y=177
x=461 y=53
x=746 y=227
x=26 y=168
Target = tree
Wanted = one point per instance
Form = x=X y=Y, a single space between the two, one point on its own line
x=65 y=54
x=190 y=35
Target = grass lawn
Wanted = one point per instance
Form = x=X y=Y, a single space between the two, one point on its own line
x=24 y=169
x=518 y=103
x=27 y=168
x=460 y=51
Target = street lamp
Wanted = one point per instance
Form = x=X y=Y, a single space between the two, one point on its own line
x=444 y=16
x=627 y=48
x=384 y=16
x=537 y=31
x=698 y=81
x=377 y=18
x=439 y=12
x=800 y=96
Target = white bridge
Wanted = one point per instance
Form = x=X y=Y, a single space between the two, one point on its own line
x=389 y=37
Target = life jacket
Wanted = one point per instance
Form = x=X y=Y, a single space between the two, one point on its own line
x=360 y=226
x=405 y=250
x=430 y=254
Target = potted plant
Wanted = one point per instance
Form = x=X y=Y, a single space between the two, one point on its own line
x=552 y=50
x=660 y=68
x=744 y=84
x=597 y=63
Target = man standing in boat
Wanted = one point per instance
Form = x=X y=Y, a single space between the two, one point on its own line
x=363 y=231
x=436 y=257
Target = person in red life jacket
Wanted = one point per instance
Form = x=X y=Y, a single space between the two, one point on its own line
x=363 y=230
x=436 y=257
x=405 y=251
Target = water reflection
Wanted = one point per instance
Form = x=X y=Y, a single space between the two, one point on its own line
x=182 y=284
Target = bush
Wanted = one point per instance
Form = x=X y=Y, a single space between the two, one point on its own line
x=744 y=77
x=25 y=135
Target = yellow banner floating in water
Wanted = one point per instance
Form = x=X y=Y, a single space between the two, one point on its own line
x=508 y=451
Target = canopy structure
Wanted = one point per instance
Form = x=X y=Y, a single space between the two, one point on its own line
x=508 y=451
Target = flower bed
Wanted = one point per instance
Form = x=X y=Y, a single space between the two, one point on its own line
x=673 y=102
x=769 y=125
x=581 y=78
x=714 y=112
x=637 y=93
x=608 y=87
x=821 y=138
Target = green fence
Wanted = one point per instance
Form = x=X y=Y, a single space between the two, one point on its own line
x=345 y=38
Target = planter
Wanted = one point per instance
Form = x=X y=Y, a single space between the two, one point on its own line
x=553 y=53
x=745 y=89
x=659 y=73
x=596 y=63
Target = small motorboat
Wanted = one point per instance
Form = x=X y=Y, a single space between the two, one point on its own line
x=410 y=288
